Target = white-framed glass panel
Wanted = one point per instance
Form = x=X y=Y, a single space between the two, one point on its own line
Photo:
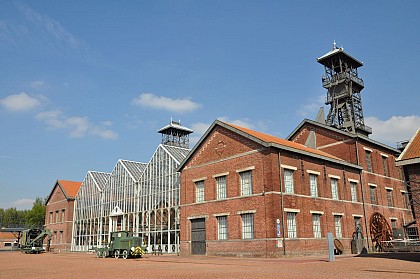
x=385 y=165
x=62 y=215
x=56 y=216
x=313 y=185
x=389 y=197
x=334 y=189
x=291 y=225
x=368 y=160
x=51 y=217
x=316 y=224
x=199 y=191
x=353 y=191
x=247 y=226
x=246 y=183
x=373 y=199
x=337 y=226
x=222 y=228
x=288 y=181
x=221 y=187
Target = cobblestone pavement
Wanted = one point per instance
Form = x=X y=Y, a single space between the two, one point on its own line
x=86 y=265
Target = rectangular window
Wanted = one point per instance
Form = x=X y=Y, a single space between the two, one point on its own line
x=288 y=181
x=389 y=197
x=199 y=191
x=291 y=225
x=405 y=199
x=368 y=160
x=248 y=226
x=313 y=185
x=51 y=217
x=62 y=215
x=393 y=224
x=246 y=183
x=353 y=191
x=316 y=223
x=221 y=187
x=222 y=228
x=56 y=216
x=385 y=165
x=337 y=225
x=357 y=224
x=373 y=199
x=61 y=236
x=334 y=189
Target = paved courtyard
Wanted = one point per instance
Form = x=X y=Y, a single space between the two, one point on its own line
x=84 y=265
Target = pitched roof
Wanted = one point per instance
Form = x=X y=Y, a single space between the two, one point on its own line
x=70 y=188
x=411 y=153
x=268 y=141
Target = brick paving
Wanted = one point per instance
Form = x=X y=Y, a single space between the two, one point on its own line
x=84 y=265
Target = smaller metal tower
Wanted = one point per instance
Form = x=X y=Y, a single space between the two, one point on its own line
x=175 y=134
x=343 y=91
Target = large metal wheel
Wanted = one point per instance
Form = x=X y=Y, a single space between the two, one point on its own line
x=98 y=254
x=117 y=254
x=104 y=254
x=380 y=230
x=125 y=254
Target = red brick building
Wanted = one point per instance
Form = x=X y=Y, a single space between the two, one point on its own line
x=410 y=161
x=59 y=213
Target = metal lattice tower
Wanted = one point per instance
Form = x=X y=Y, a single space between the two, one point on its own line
x=175 y=134
x=343 y=91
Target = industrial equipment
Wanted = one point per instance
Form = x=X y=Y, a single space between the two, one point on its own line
x=32 y=240
x=380 y=231
x=122 y=244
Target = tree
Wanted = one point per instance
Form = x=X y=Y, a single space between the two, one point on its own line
x=36 y=216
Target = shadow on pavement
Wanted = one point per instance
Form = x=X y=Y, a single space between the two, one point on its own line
x=404 y=256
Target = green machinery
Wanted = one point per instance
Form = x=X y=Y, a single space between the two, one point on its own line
x=31 y=241
x=122 y=244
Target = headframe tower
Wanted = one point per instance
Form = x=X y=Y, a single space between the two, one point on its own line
x=175 y=134
x=343 y=91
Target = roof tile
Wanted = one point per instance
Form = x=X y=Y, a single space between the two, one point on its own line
x=70 y=187
x=412 y=150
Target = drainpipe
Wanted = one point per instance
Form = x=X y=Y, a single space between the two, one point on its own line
x=282 y=206
x=363 y=196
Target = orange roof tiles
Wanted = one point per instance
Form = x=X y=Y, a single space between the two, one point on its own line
x=272 y=139
x=412 y=150
x=70 y=187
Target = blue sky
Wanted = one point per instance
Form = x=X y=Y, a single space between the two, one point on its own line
x=85 y=83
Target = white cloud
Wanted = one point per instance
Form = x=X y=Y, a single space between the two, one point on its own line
x=309 y=110
x=23 y=202
x=239 y=122
x=164 y=103
x=37 y=84
x=394 y=129
x=78 y=126
x=20 y=102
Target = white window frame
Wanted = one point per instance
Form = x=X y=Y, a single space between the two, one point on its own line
x=222 y=227
x=247 y=226
x=246 y=182
x=221 y=187
x=353 y=191
x=334 y=189
x=338 y=226
x=288 y=181
x=199 y=191
x=313 y=185
x=291 y=225
x=389 y=197
x=373 y=194
x=316 y=225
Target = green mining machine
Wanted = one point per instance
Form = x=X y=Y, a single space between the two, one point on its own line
x=31 y=241
x=122 y=244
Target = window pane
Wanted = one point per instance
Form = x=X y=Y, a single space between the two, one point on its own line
x=313 y=185
x=389 y=197
x=373 y=195
x=316 y=221
x=291 y=225
x=199 y=191
x=246 y=183
x=337 y=225
x=247 y=226
x=288 y=181
x=334 y=189
x=222 y=228
x=353 y=190
x=368 y=161
x=221 y=187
